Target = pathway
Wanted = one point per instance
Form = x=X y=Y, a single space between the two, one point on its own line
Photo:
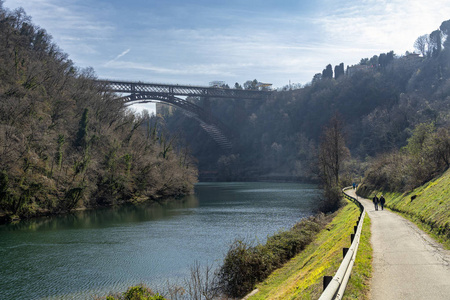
x=407 y=263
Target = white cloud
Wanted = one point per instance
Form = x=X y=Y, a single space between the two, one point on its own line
x=182 y=69
x=388 y=25
x=117 y=57
x=200 y=43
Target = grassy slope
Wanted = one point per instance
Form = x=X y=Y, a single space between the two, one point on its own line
x=301 y=278
x=430 y=210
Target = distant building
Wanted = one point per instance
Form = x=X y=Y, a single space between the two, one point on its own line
x=357 y=68
x=264 y=86
x=412 y=56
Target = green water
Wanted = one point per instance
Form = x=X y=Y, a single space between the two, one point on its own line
x=92 y=253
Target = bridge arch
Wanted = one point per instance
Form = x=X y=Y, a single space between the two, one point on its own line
x=138 y=92
x=213 y=127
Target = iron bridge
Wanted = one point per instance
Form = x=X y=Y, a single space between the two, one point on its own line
x=139 y=92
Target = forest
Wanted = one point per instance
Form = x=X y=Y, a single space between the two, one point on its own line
x=381 y=101
x=66 y=143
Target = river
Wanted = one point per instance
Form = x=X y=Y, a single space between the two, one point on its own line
x=90 y=253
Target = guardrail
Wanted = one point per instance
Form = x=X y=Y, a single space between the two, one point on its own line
x=334 y=287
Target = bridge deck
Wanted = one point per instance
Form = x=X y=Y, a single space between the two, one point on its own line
x=181 y=90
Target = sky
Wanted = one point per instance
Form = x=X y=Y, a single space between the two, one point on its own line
x=196 y=42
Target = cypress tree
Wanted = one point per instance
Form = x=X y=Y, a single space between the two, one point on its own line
x=81 y=140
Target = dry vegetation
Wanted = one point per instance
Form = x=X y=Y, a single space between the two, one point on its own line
x=65 y=143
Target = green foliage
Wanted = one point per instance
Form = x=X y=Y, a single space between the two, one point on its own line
x=420 y=134
x=59 y=152
x=245 y=265
x=82 y=134
x=339 y=71
x=427 y=205
x=327 y=72
x=72 y=197
x=302 y=276
x=332 y=199
x=139 y=292
x=359 y=284
x=425 y=156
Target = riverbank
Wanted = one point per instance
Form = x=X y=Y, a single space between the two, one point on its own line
x=6 y=218
x=302 y=276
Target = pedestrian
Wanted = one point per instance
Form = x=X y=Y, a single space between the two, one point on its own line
x=354 y=185
x=375 y=202
x=382 y=201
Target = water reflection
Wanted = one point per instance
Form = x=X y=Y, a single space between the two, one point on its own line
x=107 y=217
x=94 y=252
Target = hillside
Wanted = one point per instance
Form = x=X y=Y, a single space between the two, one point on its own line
x=65 y=143
x=381 y=100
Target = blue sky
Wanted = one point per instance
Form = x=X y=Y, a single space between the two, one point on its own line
x=195 y=42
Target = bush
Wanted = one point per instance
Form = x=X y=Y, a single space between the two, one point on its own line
x=332 y=199
x=246 y=265
x=426 y=156
x=139 y=292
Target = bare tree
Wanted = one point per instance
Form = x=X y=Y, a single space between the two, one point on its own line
x=202 y=283
x=421 y=44
x=332 y=151
x=332 y=154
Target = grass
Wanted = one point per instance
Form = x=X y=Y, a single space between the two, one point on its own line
x=245 y=265
x=302 y=276
x=430 y=210
x=358 y=286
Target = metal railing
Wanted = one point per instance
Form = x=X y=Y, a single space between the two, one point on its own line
x=336 y=287
x=171 y=90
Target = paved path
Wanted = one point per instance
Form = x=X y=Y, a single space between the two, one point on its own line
x=407 y=263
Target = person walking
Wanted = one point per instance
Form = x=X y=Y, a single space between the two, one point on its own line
x=382 y=201
x=375 y=202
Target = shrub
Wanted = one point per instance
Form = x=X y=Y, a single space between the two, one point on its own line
x=426 y=155
x=139 y=292
x=246 y=265
x=331 y=200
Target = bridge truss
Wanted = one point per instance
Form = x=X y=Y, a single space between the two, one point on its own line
x=139 y=92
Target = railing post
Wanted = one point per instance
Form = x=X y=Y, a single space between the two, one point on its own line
x=344 y=252
x=326 y=281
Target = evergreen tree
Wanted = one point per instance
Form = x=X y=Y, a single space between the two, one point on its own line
x=81 y=140
x=327 y=72
x=445 y=29
x=436 y=42
x=339 y=70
